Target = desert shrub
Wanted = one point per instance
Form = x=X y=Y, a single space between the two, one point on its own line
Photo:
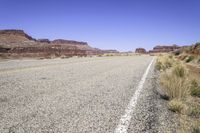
x=189 y=59
x=167 y=63
x=175 y=83
x=196 y=127
x=164 y=62
x=195 y=111
x=195 y=88
x=158 y=65
x=183 y=57
x=187 y=49
x=198 y=61
x=194 y=83
x=170 y=56
x=178 y=52
x=179 y=71
x=195 y=91
x=99 y=55
x=176 y=105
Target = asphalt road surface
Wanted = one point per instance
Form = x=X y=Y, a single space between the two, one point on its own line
x=77 y=95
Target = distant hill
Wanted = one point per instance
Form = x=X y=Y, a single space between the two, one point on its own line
x=18 y=43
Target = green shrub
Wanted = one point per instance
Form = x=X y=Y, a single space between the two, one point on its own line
x=189 y=59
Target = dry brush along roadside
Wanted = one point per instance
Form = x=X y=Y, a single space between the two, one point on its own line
x=182 y=92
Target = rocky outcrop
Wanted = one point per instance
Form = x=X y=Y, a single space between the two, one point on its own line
x=196 y=49
x=44 y=41
x=47 y=51
x=14 y=36
x=71 y=42
x=140 y=50
x=18 y=44
x=164 y=49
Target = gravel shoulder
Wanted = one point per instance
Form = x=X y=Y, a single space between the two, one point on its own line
x=151 y=113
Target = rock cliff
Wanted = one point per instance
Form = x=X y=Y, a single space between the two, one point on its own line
x=18 y=43
x=164 y=49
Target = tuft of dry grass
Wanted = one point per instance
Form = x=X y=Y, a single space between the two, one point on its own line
x=176 y=105
x=195 y=112
x=179 y=71
x=175 y=83
x=164 y=62
x=196 y=127
x=183 y=94
x=195 y=89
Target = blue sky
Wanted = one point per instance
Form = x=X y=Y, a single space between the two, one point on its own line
x=107 y=24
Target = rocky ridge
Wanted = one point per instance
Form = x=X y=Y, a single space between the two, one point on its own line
x=19 y=44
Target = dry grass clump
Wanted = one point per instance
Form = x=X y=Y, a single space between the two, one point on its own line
x=179 y=71
x=189 y=59
x=195 y=112
x=181 y=90
x=164 y=62
x=175 y=83
x=195 y=88
x=196 y=127
x=176 y=105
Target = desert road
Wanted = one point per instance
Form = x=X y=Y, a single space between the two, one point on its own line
x=78 y=95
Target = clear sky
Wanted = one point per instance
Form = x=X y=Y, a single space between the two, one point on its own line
x=107 y=24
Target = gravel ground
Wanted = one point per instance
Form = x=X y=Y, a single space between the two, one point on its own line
x=78 y=95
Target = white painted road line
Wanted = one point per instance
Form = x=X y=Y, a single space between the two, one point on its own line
x=126 y=118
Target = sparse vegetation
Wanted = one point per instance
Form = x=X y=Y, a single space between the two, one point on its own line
x=176 y=105
x=179 y=71
x=189 y=59
x=158 y=65
x=178 y=52
x=196 y=127
x=195 y=91
x=195 y=111
x=99 y=55
x=175 y=83
x=180 y=86
x=164 y=62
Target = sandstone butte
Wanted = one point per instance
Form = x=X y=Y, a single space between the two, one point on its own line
x=164 y=49
x=16 y=43
x=140 y=50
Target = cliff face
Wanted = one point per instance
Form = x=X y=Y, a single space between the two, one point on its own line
x=44 y=41
x=18 y=43
x=164 y=49
x=14 y=36
x=62 y=41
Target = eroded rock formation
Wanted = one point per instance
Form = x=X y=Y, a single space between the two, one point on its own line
x=140 y=50
x=19 y=44
x=164 y=49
